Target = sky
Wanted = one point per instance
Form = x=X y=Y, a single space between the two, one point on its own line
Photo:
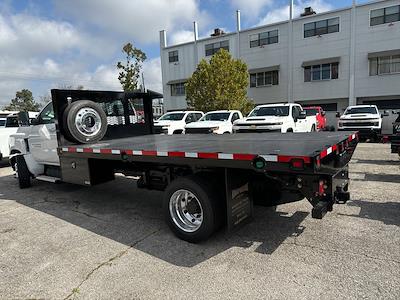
x=47 y=44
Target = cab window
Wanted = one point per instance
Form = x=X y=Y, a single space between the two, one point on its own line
x=190 y=118
x=235 y=117
x=47 y=115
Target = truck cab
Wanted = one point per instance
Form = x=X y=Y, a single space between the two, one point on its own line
x=283 y=117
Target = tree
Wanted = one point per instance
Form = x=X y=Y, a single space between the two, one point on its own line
x=220 y=84
x=23 y=101
x=129 y=71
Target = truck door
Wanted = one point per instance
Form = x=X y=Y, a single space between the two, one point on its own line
x=43 y=138
x=300 y=125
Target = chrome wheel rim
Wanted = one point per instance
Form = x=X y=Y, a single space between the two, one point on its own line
x=186 y=211
x=88 y=121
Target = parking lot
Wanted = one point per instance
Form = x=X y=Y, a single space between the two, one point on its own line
x=110 y=242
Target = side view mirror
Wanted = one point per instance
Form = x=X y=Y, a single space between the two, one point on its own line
x=323 y=114
x=302 y=115
x=337 y=114
x=385 y=114
x=35 y=121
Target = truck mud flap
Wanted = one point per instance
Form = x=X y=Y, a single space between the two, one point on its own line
x=239 y=205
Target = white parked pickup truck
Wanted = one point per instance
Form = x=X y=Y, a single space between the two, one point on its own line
x=174 y=122
x=365 y=119
x=10 y=125
x=284 y=117
x=219 y=122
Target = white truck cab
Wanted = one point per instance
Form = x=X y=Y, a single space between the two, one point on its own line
x=283 y=117
x=174 y=122
x=219 y=122
x=38 y=141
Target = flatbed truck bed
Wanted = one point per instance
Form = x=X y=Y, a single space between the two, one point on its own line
x=209 y=181
x=243 y=147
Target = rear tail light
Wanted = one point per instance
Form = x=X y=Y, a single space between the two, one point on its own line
x=297 y=163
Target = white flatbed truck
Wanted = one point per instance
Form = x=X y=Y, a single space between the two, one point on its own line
x=209 y=181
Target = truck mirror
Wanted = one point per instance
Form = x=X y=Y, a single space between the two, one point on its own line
x=35 y=121
x=23 y=118
x=385 y=113
x=302 y=115
x=323 y=114
x=337 y=114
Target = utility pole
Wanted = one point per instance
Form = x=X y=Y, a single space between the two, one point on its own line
x=290 y=54
x=352 y=97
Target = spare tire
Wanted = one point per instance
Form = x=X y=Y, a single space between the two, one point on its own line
x=84 y=122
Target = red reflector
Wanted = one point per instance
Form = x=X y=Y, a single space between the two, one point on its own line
x=297 y=163
x=321 y=189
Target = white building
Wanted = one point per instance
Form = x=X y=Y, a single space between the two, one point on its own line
x=333 y=59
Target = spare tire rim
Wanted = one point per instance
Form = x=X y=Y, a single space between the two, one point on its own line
x=186 y=210
x=88 y=121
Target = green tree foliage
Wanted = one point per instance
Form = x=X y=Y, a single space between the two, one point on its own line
x=220 y=84
x=129 y=71
x=23 y=101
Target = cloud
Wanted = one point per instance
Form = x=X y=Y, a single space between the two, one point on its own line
x=251 y=7
x=181 y=36
x=152 y=74
x=282 y=13
x=140 y=20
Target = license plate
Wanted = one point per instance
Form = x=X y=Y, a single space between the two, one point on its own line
x=253 y=126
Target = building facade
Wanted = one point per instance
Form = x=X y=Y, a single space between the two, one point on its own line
x=332 y=59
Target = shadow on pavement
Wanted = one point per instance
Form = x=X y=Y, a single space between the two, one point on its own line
x=386 y=212
x=378 y=162
x=394 y=178
x=121 y=212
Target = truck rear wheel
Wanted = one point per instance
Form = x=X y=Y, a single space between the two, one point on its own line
x=190 y=208
x=22 y=172
x=85 y=122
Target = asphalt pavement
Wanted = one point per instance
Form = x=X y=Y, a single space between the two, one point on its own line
x=110 y=242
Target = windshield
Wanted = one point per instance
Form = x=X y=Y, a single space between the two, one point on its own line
x=215 y=117
x=278 y=111
x=311 y=111
x=172 y=117
x=2 y=122
x=360 y=110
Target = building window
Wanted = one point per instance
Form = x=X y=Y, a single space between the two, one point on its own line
x=384 y=65
x=263 y=38
x=321 y=72
x=385 y=15
x=213 y=48
x=173 y=56
x=321 y=27
x=178 y=89
x=264 y=79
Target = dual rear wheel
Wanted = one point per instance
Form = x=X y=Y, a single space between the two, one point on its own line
x=192 y=208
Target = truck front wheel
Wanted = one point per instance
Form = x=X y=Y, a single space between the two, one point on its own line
x=22 y=172
x=190 y=208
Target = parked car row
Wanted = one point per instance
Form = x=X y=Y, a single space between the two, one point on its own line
x=283 y=117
